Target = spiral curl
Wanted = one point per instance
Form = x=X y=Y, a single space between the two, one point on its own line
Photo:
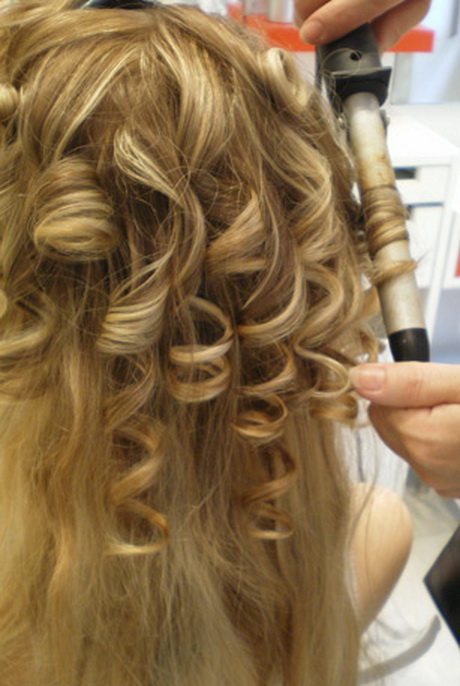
x=199 y=373
x=385 y=217
x=72 y=214
x=127 y=490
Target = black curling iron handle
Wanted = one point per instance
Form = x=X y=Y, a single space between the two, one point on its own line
x=410 y=345
x=352 y=65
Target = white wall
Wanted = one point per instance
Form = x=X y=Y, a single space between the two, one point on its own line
x=435 y=77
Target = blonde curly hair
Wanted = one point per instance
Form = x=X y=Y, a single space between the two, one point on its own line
x=181 y=297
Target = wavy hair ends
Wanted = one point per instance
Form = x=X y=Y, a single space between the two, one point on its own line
x=180 y=299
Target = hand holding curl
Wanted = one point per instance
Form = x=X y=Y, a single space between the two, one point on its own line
x=415 y=408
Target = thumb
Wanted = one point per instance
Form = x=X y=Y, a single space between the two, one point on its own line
x=395 y=22
x=407 y=384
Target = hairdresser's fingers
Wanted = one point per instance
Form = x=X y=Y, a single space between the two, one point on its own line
x=325 y=21
x=389 y=28
x=428 y=439
x=408 y=384
x=330 y=20
x=303 y=9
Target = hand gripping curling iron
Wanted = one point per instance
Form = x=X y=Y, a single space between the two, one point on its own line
x=357 y=86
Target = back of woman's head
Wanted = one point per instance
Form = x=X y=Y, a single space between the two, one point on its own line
x=180 y=301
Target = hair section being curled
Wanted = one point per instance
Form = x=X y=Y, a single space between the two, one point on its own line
x=181 y=298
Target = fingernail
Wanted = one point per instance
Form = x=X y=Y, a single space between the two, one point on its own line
x=367 y=378
x=312 y=31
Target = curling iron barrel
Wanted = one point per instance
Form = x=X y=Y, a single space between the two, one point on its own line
x=357 y=86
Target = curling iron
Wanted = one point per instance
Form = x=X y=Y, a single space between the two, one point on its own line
x=357 y=86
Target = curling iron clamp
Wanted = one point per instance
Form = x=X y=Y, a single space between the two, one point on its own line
x=357 y=86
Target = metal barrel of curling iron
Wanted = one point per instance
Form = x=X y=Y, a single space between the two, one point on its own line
x=357 y=86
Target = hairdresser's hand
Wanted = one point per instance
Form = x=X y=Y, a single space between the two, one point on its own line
x=322 y=21
x=415 y=408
